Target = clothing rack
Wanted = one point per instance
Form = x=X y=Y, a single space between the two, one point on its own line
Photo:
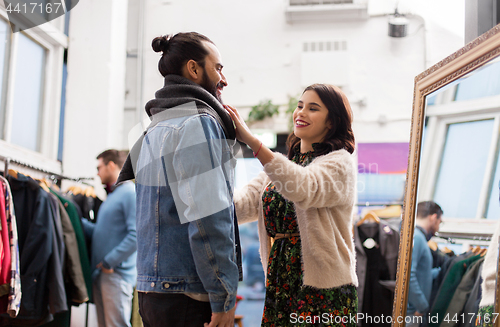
x=51 y=175
x=370 y=204
x=483 y=239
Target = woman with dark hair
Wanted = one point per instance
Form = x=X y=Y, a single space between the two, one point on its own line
x=304 y=207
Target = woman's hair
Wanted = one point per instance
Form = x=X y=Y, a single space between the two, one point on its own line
x=340 y=136
x=178 y=49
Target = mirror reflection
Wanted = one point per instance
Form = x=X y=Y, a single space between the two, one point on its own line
x=381 y=180
x=455 y=255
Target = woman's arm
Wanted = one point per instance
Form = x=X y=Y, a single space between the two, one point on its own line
x=324 y=183
x=246 y=200
x=328 y=181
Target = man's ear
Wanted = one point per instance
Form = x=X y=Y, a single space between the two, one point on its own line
x=193 y=71
x=112 y=165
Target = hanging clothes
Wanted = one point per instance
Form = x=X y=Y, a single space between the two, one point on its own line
x=58 y=235
x=40 y=281
x=74 y=217
x=76 y=289
x=14 y=297
x=438 y=281
x=89 y=205
x=457 y=302
x=472 y=304
x=448 y=287
x=376 y=247
x=56 y=261
x=5 y=261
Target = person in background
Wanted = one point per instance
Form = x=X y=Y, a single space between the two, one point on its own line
x=305 y=204
x=429 y=216
x=113 y=244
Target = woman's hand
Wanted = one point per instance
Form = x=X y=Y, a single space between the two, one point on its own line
x=243 y=133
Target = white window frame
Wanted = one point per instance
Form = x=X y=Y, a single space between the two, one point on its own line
x=52 y=38
x=439 y=117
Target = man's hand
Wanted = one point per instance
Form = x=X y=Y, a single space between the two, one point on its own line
x=418 y=314
x=222 y=319
x=104 y=270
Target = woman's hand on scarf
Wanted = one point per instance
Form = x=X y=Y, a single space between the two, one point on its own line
x=243 y=133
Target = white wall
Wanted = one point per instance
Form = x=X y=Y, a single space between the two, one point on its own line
x=107 y=90
x=261 y=53
x=95 y=85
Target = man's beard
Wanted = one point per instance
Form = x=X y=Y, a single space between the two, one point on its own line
x=211 y=87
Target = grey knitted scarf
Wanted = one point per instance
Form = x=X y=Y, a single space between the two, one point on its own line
x=177 y=91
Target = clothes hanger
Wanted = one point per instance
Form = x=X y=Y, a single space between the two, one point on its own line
x=44 y=186
x=392 y=211
x=50 y=183
x=75 y=189
x=432 y=245
x=90 y=192
x=446 y=250
x=13 y=173
x=370 y=216
x=476 y=250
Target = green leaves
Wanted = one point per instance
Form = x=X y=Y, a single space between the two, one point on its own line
x=292 y=104
x=262 y=110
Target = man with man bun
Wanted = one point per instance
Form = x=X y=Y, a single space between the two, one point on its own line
x=188 y=252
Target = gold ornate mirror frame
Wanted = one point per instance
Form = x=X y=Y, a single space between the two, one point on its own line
x=465 y=60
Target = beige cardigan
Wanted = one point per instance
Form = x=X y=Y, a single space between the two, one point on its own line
x=489 y=272
x=323 y=194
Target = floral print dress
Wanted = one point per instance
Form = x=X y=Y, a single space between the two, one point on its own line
x=486 y=316
x=288 y=302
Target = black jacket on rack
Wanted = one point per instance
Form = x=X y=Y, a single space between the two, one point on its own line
x=376 y=269
x=41 y=282
x=88 y=204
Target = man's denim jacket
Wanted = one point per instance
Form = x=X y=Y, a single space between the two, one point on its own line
x=185 y=212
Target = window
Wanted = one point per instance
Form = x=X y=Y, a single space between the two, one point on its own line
x=463 y=166
x=4 y=47
x=317 y=2
x=31 y=75
x=460 y=167
x=314 y=11
x=493 y=211
x=28 y=91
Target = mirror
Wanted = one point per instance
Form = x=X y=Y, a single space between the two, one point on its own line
x=453 y=158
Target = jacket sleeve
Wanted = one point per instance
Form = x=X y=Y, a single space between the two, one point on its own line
x=328 y=181
x=88 y=228
x=129 y=243
x=77 y=291
x=415 y=295
x=246 y=199
x=35 y=256
x=203 y=176
x=55 y=279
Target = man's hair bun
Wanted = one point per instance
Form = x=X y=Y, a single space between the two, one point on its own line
x=161 y=43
